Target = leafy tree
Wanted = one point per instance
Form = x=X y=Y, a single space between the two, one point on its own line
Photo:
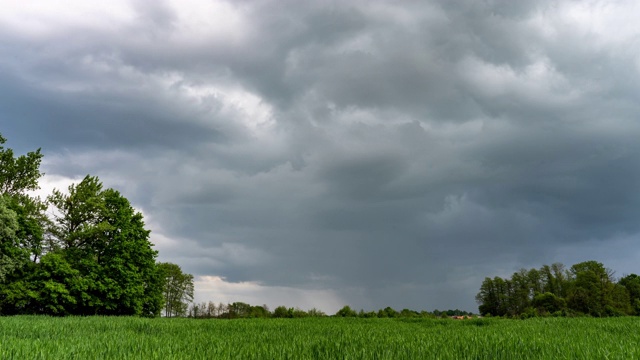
x=367 y=314
x=259 y=312
x=104 y=238
x=177 y=291
x=78 y=224
x=591 y=289
x=548 y=303
x=619 y=303
x=17 y=297
x=521 y=288
x=555 y=279
x=281 y=312
x=632 y=284
x=493 y=298
x=586 y=288
x=199 y=310
x=93 y=257
x=18 y=174
x=487 y=298
x=284 y=312
x=536 y=282
x=56 y=284
x=239 y=310
x=316 y=313
x=204 y=310
x=9 y=250
x=408 y=313
x=32 y=224
x=387 y=312
x=346 y=311
x=21 y=226
x=298 y=313
x=16 y=294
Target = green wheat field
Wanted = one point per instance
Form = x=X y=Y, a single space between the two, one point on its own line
x=34 y=337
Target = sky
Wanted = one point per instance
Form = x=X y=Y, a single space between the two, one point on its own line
x=330 y=153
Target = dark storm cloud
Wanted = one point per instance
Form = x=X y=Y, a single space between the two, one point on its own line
x=101 y=120
x=390 y=153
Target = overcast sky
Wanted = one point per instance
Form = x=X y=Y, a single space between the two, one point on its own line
x=318 y=154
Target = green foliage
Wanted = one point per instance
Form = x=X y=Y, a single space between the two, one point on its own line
x=19 y=228
x=317 y=338
x=104 y=239
x=492 y=297
x=632 y=284
x=316 y=313
x=32 y=224
x=9 y=250
x=57 y=284
x=283 y=312
x=587 y=288
x=367 y=314
x=548 y=303
x=259 y=312
x=239 y=310
x=591 y=288
x=178 y=291
x=93 y=257
x=298 y=313
x=446 y=313
x=21 y=217
x=554 y=279
x=346 y=311
x=18 y=174
x=18 y=297
x=387 y=312
x=16 y=294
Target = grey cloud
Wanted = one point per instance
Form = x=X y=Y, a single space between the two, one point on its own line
x=154 y=15
x=408 y=150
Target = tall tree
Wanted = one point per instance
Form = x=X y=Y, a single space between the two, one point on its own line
x=587 y=287
x=521 y=291
x=632 y=284
x=548 y=303
x=18 y=174
x=555 y=279
x=9 y=250
x=594 y=292
x=104 y=238
x=21 y=226
x=177 y=289
x=96 y=259
x=488 y=298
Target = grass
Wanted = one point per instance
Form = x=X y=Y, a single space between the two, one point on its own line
x=32 y=337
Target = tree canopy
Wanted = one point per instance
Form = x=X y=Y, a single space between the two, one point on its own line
x=93 y=256
x=177 y=291
x=586 y=288
x=18 y=174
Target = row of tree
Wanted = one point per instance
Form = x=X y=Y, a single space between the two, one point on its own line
x=587 y=288
x=240 y=310
x=85 y=252
x=389 y=312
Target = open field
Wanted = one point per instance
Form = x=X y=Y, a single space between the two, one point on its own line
x=32 y=337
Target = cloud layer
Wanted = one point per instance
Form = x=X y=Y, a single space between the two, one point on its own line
x=361 y=153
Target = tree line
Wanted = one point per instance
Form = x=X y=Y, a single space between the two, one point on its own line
x=586 y=288
x=84 y=252
x=240 y=310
